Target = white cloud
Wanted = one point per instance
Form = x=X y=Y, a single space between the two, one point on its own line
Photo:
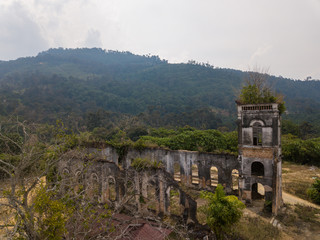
x=93 y=39
x=20 y=35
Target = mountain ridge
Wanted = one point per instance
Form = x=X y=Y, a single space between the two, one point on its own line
x=79 y=81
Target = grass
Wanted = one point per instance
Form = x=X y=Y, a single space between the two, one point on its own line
x=296 y=179
x=301 y=220
x=253 y=228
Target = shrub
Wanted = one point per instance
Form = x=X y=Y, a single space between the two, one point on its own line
x=141 y=163
x=314 y=192
x=221 y=211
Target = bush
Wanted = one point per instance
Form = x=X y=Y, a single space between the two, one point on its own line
x=314 y=192
x=221 y=211
x=301 y=151
x=141 y=163
x=196 y=140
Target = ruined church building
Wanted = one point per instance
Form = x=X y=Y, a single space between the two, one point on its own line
x=258 y=166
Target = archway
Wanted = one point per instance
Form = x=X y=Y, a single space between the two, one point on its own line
x=174 y=198
x=235 y=179
x=257 y=134
x=112 y=193
x=257 y=169
x=194 y=174
x=152 y=197
x=214 y=176
x=258 y=191
x=177 y=172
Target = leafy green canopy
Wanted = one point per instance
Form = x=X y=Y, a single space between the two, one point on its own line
x=301 y=151
x=222 y=211
x=256 y=91
x=194 y=140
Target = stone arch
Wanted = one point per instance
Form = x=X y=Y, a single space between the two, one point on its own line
x=152 y=196
x=235 y=179
x=257 y=121
x=257 y=169
x=257 y=191
x=195 y=174
x=174 y=200
x=111 y=189
x=214 y=176
x=257 y=134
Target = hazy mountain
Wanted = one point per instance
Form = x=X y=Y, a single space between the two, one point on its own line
x=60 y=83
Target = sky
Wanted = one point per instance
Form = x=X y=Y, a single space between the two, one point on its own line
x=280 y=36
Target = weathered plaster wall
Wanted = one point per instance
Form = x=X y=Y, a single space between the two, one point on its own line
x=225 y=163
x=267 y=153
x=96 y=177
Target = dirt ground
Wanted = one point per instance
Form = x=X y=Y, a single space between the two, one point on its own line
x=299 y=218
x=296 y=179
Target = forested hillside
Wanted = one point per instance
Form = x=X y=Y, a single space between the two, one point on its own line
x=95 y=88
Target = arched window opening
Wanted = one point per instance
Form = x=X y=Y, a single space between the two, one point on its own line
x=257 y=134
x=174 y=196
x=214 y=176
x=258 y=191
x=112 y=194
x=257 y=169
x=195 y=174
x=177 y=172
x=235 y=179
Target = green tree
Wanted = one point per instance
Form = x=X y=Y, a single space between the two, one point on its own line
x=257 y=91
x=221 y=211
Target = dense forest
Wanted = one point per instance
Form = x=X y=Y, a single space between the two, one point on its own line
x=96 y=88
x=125 y=98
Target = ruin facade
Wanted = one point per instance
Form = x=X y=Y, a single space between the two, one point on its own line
x=106 y=177
x=259 y=139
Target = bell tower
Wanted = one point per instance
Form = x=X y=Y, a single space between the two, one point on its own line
x=259 y=145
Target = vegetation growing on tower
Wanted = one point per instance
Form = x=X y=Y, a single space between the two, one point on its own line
x=257 y=91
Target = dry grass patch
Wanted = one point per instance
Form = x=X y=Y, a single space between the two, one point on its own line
x=301 y=222
x=254 y=228
x=296 y=179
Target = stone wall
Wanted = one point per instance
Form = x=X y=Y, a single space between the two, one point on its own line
x=225 y=163
x=109 y=178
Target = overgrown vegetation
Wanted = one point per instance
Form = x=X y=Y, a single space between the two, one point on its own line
x=221 y=211
x=257 y=91
x=188 y=138
x=301 y=151
x=141 y=164
x=31 y=200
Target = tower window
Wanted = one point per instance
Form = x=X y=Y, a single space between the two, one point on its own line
x=257 y=134
x=257 y=169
